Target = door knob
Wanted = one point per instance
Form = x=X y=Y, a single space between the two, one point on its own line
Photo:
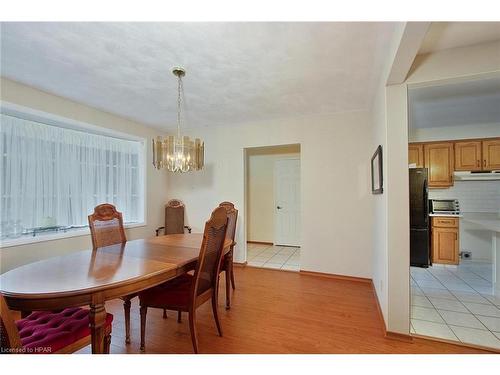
x=278 y=207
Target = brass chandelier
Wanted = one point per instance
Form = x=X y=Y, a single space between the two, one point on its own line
x=178 y=153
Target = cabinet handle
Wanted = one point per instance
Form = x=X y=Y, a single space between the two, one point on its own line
x=484 y=163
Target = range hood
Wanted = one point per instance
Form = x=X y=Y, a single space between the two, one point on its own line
x=476 y=176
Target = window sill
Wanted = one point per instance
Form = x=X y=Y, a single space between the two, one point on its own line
x=55 y=236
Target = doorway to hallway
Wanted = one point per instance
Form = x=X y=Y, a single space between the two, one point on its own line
x=273 y=219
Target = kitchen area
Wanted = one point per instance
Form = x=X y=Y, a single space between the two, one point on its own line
x=454 y=179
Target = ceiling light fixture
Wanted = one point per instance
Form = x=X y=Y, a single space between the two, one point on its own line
x=178 y=153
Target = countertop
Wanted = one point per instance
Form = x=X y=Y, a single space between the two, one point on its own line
x=446 y=215
x=486 y=220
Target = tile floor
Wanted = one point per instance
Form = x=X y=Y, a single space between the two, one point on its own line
x=456 y=303
x=277 y=257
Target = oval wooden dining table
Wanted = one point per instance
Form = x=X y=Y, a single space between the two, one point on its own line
x=92 y=277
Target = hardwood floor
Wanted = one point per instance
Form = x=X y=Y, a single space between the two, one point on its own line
x=275 y=312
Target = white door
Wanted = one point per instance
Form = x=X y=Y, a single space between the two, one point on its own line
x=287 y=202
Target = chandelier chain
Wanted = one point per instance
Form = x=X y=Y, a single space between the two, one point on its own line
x=179 y=89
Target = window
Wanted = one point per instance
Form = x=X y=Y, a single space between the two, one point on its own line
x=53 y=176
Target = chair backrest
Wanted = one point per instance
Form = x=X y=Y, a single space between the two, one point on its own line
x=211 y=251
x=106 y=226
x=232 y=217
x=9 y=334
x=174 y=217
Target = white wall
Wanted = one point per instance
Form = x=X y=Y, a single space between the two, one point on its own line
x=260 y=189
x=335 y=188
x=380 y=257
x=444 y=133
x=456 y=64
x=380 y=263
x=13 y=92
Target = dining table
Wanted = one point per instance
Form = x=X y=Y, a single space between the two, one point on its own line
x=92 y=277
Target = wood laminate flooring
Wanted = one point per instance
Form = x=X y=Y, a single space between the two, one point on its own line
x=276 y=312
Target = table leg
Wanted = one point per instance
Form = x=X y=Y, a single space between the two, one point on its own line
x=97 y=320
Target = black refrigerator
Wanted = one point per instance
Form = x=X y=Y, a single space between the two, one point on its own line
x=419 y=218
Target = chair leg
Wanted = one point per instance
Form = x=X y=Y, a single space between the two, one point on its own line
x=164 y=313
x=107 y=343
x=144 y=311
x=192 y=329
x=216 y=314
x=231 y=267
x=126 y=308
x=228 y=289
x=179 y=316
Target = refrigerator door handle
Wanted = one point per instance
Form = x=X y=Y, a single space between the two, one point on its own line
x=426 y=202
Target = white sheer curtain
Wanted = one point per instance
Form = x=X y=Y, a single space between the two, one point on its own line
x=56 y=176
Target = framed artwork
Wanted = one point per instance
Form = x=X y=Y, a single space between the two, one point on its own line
x=377 y=173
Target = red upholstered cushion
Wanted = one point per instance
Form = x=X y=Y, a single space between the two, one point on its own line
x=47 y=332
x=173 y=293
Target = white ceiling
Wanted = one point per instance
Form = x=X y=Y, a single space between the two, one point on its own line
x=236 y=72
x=444 y=35
x=467 y=103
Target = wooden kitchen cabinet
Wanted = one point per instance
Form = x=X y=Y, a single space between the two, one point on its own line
x=491 y=154
x=468 y=156
x=439 y=160
x=444 y=240
x=416 y=154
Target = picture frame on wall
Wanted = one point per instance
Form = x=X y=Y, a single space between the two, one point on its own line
x=377 y=172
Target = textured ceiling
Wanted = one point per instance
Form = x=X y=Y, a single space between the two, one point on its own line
x=466 y=103
x=236 y=72
x=444 y=35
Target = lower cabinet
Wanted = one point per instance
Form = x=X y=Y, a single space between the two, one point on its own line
x=445 y=242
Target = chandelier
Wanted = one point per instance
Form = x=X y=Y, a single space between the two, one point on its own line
x=178 y=153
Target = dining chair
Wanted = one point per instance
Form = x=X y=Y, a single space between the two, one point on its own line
x=227 y=261
x=48 y=332
x=174 y=224
x=174 y=218
x=187 y=292
x=106 y=229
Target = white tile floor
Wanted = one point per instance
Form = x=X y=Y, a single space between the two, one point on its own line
x=277 y=257
x=456 y=303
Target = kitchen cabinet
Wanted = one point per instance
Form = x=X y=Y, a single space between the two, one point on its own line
x=491 y=154
x=468 y=156
x=444 y=240
x=439 y=160
x=416 y=154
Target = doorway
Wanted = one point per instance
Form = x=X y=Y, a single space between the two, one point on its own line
x=273 y=207
x=453 y=270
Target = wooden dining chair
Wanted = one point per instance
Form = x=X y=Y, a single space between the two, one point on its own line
x=174 y=224
x=48 y=332
x=187 y=292
x=106 y=229
x=174 y=218
x=227 y=261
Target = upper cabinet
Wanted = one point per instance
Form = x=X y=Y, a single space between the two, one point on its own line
x=468 y=156
x=439 y=160
x=491 y=154
x=444 y=157
x=416 y=154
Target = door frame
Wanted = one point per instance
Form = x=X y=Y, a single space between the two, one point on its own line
x=245 y=160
